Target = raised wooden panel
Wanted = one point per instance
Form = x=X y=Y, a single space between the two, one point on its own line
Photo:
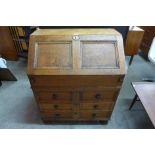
x=53 y=55
x=99 y=54
x=76 y=52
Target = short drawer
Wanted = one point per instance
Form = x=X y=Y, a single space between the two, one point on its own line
x=57 y=114
x=54 y=96
x=95 y=115
x=107 y=106
x=46 y=107
x=101 y=95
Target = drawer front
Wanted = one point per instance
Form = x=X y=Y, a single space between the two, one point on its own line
x=82 y=115
x=54 y=96
x=95 y=115
x=57 y=115
x=48 y=107
x=76 y=81
x=102 y=95
x=107 y=106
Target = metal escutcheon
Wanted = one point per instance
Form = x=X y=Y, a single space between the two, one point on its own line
x=76 y=37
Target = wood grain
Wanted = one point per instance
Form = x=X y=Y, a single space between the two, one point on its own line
x=76 y=74
x=133 y=41
x=149 y=33
x=106 y=47
x=7 y=49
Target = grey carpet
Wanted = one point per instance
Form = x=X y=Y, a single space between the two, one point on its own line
x=18 y=108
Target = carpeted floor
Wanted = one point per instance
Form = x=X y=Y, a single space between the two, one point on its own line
x=18 y=108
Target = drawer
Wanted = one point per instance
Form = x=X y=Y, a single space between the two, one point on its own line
x=101 y=95
x=57 y=114
x=46 y=107
x=76 y=81
x=95 y=115
x=51 y=102
x=54 y=96
x=107 y=106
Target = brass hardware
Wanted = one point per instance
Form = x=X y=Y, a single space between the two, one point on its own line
x=95 y=106
x=57 y=115
x=93 y=115
x=56 y=106
x=98 y=96
x=54 y=96
x=76 y=37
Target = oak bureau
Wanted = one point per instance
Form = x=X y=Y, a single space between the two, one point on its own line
x=76 y=74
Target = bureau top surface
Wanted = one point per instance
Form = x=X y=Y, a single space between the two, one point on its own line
x=95 y=31
x=76 y=52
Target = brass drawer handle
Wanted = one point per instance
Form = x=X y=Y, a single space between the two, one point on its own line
x=54 y=97
x=57 y=115
x=98 y=96
x=93 y=115
x=96 y=106
x=56 y=106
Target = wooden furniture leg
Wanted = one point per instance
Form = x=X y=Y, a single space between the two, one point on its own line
x=145 y=92
x=133 y=101
x=131 y=59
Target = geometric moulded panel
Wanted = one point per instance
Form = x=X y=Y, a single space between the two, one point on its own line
x=99 y=55
x=54 y=55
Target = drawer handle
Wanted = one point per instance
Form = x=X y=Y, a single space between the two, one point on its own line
x=56 y=106
x=98 y=96
x=93 y=115
x=57 y=115
x=54 y=97
x=75 y=113
x=96 y=106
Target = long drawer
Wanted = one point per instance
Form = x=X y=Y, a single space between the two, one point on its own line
x=65 y=97
x=83 y=106
x=76 y=81
x=81 y=115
